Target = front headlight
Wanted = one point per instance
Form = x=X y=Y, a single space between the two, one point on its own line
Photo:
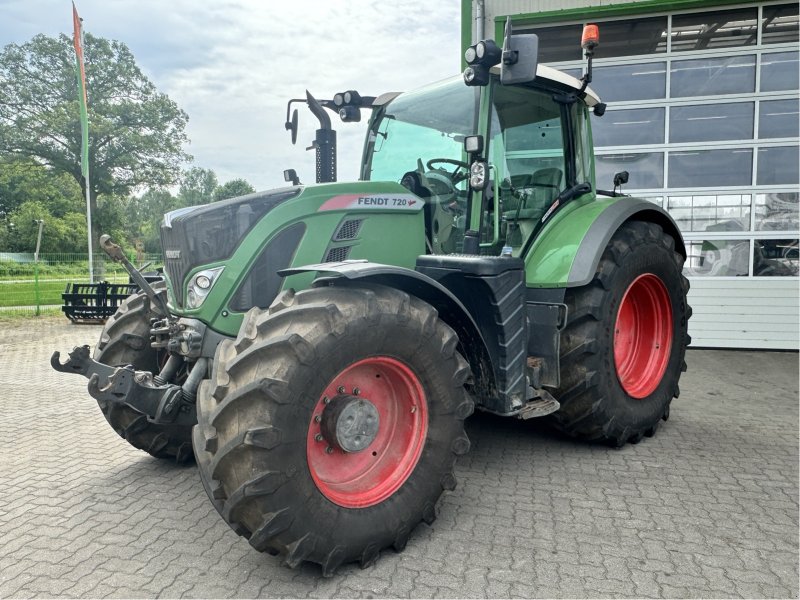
x=200 y=285
x=477 y=175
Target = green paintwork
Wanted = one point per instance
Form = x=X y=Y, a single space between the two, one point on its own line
x=391 y=236
x=466 y=30
x=550 y=258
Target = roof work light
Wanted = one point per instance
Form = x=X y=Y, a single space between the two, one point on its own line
x=480 y=57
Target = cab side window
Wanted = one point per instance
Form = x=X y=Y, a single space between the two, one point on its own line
x=527 y=151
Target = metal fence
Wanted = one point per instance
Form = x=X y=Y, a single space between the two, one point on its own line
x=31 y=287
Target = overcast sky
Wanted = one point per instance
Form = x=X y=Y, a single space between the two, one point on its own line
x=233 y=64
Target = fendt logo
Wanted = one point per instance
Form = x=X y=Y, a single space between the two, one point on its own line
x=174 y=254
x=387 y=202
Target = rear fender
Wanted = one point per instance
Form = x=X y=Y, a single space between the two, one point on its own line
x=568 y=250
x=607 y=223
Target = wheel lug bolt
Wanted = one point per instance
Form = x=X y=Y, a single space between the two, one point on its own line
x=317 y=419
x=326 y=400
x=356 y=391
x=329 y=450
x=318 y=437
x=340 y=389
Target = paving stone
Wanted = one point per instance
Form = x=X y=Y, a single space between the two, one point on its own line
x=707 y=508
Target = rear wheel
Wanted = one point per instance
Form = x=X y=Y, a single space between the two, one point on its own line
x=125 y=340
x=330 y=426
x=622 y=351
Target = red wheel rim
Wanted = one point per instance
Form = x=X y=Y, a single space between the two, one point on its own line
x=370 y=476
x=643 y=336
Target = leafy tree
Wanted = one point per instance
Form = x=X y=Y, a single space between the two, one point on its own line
x=65 y=234
x=151 y=207
x=22 y=180
x=197 y=186
x=233 y=188
x=136 y=134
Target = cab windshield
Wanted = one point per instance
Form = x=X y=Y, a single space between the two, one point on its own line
x=418 y=140
x=419 y=127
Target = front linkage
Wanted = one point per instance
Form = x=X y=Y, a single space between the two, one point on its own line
x=162 y=403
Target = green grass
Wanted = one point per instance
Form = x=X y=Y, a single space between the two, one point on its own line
x=23 y=293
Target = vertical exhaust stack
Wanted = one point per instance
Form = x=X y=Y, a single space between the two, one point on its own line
x=324 y=143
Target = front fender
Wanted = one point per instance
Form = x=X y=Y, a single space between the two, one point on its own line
x=451 y=310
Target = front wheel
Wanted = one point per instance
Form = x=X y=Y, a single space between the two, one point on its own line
x=330 y=426
x=622 y=351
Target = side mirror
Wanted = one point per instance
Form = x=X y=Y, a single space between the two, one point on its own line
x=620 y=178
x=520 y=57
x=290 y=176
x=292 y=126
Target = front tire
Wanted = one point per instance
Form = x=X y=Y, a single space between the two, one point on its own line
x=622 y=351
x=265 y=442
x=125 y=340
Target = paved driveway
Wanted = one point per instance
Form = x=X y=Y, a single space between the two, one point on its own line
x=707 y=508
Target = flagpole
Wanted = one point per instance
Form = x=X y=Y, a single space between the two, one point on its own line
x=89 y=221
x=84 y=107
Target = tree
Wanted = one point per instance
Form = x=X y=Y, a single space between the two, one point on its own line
x=233 y=188
x=65 y=234
x=197 y=186
x=22 y=180
x=136 y=134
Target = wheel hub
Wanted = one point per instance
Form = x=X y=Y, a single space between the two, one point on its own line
x=350 y=423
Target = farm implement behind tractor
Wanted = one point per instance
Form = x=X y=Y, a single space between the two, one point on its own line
x=96 y=302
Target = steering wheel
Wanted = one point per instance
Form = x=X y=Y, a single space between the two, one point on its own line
x=454 y=176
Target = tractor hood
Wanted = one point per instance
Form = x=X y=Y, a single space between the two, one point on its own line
x=200 y=235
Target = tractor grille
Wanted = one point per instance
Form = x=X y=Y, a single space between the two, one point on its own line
x=337 y=254
x=348 y=230
x=211 y=233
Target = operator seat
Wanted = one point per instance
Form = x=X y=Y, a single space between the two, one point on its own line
x=542 y=188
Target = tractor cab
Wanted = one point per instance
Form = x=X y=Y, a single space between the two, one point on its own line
x=530 y=146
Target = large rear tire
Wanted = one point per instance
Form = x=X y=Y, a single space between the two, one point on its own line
x=125 y=340
x=265 y=442
x=622 y=351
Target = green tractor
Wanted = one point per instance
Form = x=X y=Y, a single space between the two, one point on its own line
x=317 y=348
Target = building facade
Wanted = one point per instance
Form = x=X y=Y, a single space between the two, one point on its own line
x=703 y=113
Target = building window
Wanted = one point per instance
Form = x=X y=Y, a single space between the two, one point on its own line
x=777 y=211
x=557 y=44
x=713 y=76
x=646 y=169
x=714 y=30
x=630 y=82
x=724 y=212
x=711 y=122
x=779 y=25
x=718 y=258
x=631 y=37
x=637 y=126
x=775 y=258
x=779 y=118
x=710 y=168
x=777 y=165
x=779 y=71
